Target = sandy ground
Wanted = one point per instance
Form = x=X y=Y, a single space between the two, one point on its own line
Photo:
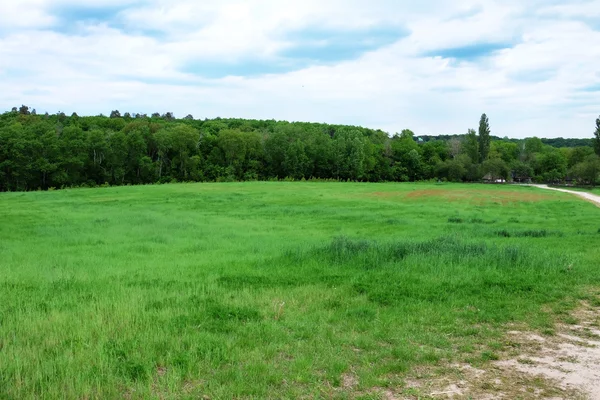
x=588 y=196
x=561 y=366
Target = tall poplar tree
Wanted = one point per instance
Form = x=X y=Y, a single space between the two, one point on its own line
x=484 y=138
x=597 y=137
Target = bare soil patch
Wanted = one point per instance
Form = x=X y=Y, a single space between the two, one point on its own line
x=565 y=365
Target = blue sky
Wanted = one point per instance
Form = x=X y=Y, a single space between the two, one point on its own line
x=432 y=66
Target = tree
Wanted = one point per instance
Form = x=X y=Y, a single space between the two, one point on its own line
x=496 y=167
x=471 y=146
x=597 y=137
x=455 y=146
x=24 y=110
x=531 y=147
x=579 y=154
x=348 y=154
x=184 y=143
x=136 y=151
x=296 y=161
x=407 y=154
x=453 y=170
x=115 y=114
x=189 y=117
x=117 y=158
x=505 y=150
x=587 y=172
x=484 y=138
x=521 y=171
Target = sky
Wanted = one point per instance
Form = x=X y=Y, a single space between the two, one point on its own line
x=431 y=66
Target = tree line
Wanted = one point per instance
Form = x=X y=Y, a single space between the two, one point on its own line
x=57 y=151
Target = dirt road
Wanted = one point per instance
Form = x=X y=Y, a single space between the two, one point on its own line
x=588 y=196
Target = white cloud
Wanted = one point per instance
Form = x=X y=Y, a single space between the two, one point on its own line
x=135 y=60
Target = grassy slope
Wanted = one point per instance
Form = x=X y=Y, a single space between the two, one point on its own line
x=275 y=289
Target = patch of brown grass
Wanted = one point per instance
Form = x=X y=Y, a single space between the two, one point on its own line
x=475 y=196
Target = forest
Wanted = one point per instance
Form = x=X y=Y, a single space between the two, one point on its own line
x=46 y=152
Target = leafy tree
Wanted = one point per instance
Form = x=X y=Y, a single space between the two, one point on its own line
x=164 y=144
x=348 y=150
x=471 y=146
x=496 y=168
x=484 y=138
x=578 y=155
x=184 y=142
x=117 y=158
x=73 y=155
x=406 y=155
x=531 y=147
x=587 y=171
x=297 y=163
x=136 y=154
x=597 y=137
x=115 y=114
x=455 y=147
x=97 y=150
x=451 y=170
x=24 y=110
x=239 y=149
x=521 y=171
x=507 y=151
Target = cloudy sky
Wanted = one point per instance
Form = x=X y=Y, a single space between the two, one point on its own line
x=430 y=65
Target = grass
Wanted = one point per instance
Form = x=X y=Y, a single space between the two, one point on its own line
x=276 y=290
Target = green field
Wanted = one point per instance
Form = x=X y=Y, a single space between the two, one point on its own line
x=276 y=290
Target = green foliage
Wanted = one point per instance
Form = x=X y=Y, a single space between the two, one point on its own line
x=587 y=172
x=484 y=138
x=596 y=140
x=522 y=172
x=452 y=170
x=43 y=151
x=495 y=168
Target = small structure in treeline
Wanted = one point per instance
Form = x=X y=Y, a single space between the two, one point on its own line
x=489 y=178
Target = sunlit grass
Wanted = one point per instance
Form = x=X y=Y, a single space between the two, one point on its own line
x=275 y=290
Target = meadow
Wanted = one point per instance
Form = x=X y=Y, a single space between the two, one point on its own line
x=277 y=290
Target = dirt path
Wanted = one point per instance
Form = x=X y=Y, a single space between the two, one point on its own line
x=588 y=196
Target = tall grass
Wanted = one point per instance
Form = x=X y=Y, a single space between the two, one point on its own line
x=271 y=290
